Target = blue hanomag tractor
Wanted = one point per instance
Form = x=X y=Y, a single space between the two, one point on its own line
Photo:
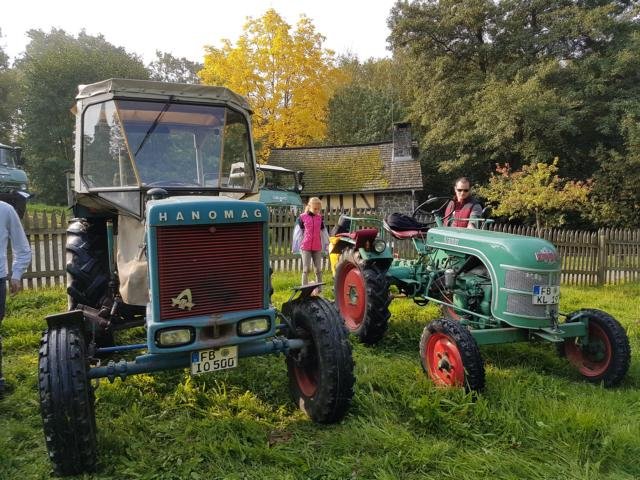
x=162 y=239
x=492 y=288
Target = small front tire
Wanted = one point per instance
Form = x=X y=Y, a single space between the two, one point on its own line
x=67 y=401
x=450 y=356
x=606 y=358
x=321 y=373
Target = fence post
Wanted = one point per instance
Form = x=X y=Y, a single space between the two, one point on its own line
x=602 y=257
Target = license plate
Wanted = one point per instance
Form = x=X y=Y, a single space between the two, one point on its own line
x=205 y=361
x=545 y=295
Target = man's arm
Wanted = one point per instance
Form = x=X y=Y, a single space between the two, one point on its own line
x=21 y=251
x=476 y=212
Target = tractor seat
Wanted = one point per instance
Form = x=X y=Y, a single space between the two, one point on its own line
x=403 y=226
x=405 y=234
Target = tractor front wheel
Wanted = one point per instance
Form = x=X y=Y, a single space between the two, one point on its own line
x=450 y=356
x=67 y=401
x=605 y=358
x=362 y=297
x=321 y=373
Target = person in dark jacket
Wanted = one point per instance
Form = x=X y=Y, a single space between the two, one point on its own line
x=463 y=206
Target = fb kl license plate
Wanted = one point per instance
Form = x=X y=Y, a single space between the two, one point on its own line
x=545 y=295
x=205 y=361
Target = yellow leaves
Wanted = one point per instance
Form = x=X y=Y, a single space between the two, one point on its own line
x=286 y=74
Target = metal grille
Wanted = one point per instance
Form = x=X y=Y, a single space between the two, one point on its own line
x=519 y=280
x=521 y=305
x=221 y=265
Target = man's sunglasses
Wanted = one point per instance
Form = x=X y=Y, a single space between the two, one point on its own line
x=462 y=189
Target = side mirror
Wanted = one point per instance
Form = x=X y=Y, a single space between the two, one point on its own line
x=486 y=212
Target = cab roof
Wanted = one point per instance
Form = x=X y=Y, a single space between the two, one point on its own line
x=162 y=90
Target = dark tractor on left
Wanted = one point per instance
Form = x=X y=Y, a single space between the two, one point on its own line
x=163 y=239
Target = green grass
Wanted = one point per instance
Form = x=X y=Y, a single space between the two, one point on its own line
x=536 y=420
x=43 y=207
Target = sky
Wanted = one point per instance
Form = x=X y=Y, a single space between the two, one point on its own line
x=184 y=27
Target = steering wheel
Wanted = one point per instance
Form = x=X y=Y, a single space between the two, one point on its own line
x=440 y=201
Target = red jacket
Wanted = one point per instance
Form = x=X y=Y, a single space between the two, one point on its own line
x=456 y=209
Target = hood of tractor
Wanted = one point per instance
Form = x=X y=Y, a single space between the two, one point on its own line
x=12 y=174
x=499 y=248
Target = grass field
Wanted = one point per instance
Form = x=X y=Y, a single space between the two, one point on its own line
x=536 y=420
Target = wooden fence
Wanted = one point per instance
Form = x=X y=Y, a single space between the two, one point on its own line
x=588 y=258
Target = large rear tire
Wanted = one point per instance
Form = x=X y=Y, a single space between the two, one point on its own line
x=87 y=269
x=450 y=356
x=67 y=401
x=321 y=373
x=362 y=297
x=607 y=356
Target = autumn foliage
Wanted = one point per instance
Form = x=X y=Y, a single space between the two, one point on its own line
x=285 y=73
x=535 y=191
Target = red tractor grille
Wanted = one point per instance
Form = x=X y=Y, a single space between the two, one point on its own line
x=221 y=265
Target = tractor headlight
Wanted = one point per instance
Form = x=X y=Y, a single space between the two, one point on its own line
x=379 y=245
x=253 y=326
x=175 y=336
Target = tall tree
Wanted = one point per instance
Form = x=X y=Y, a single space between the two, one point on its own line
x=287 y=75
x=518 y=81
x=167 y=68
x=9 y=94
x=364 y=109
x=54 y=64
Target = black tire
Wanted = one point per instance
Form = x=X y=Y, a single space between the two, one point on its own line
x=88 y=270
x=607 y=357
x=450 y=356
x=320 y=374
x=67 y=401
x=362 y=297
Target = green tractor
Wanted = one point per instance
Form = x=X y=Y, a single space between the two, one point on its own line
x=13 y=180
x=491 y=287
x=279 y=187
x=163 y=240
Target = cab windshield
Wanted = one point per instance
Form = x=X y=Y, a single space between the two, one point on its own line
x=145 y=144
x=7 y=157
x=278 y=180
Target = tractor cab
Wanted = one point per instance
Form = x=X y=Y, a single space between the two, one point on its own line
x=279 y=187
x=137 y=135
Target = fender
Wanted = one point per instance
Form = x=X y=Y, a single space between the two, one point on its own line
x=74 y=318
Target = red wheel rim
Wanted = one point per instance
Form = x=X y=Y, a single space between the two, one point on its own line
x=594 y=359
x=352 y=297
x=307 y=379
x=443 y=361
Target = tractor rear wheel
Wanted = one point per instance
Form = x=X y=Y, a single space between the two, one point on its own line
x=321 y=373
x=606 y=358
x=87 y=269
x=67 y=401
x=362 y=297
x=450 y=355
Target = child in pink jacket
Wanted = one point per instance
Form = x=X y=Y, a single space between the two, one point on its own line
x=314 y=239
